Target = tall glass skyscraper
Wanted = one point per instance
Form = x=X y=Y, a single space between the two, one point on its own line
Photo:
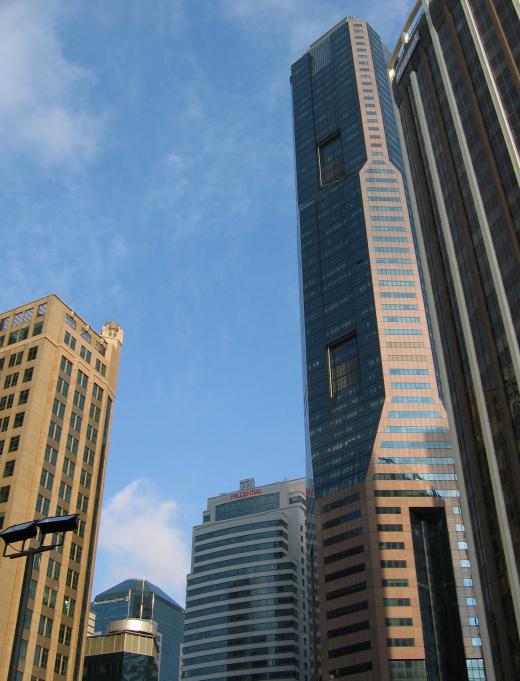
x=396 y=597
x=456 y=83
x=142 y=600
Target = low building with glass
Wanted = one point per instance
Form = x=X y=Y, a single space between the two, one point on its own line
x=140 y=599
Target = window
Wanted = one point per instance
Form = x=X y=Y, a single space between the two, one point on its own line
x=46 y=479
x=400 y=642
x=88 y=456
x=15 y=359
x=66 y=366
x=72 y=444
x=32 y=354
x=393 y=563
x=388 y=509
x=62 y=387
x=343 y=365
x=86 y=478
x=85 y=354
x=6 y=402
x=42 y=505
x=100 y=367
x=19 y=335
x=393 y=545
x=61 y=664
x=95 y=413
x=387 y=602
x=92 y=434
x=75 y=421
x=11 y=380
x=82 y=503
x=68 y=469
x=4 y=323
x=65 y=491
x=4 y=424
x=72 y=578
x=28 y=374
x=45 y=626
x=75 y=552
x=389 y=528
x=50 y=455
x=70 y=340
x=54 y=431
x=79 y=400
x=65 y=634
x=41 y=656
x=37 y=328
x=97 y=392
x=58 y=409
x=14 y=443
x=69 y=606
x=18 y=419
x=53 y=569
x=23 y=397
x=82 y=379
x=9 y=468
x=330 y=159
x=70 y=321
x=24 y=316
x=42 y=309
x=49 y=597
x=394 y=582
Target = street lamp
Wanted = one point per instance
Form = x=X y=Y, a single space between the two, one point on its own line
x=24 y=532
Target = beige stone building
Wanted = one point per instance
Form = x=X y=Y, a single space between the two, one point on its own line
x=57 y=388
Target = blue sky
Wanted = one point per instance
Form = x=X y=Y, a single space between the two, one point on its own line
x=146 y=175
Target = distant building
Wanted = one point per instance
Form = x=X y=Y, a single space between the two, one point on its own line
x=456 y=86
x=140 y=599
x=57 y=389
x=91 y=626
x=245 y=610
x=128 y=651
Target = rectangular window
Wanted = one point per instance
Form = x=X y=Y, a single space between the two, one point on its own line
x=14 y=443
x=82 y=379
x=343 y=365
x=66 y=366
x=330 y=159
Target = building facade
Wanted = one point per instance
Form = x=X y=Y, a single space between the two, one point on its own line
x=128 y=651
x=396 y=591
x=456 y=84
x=57 y=389
x=245 y=604
x=140 y=599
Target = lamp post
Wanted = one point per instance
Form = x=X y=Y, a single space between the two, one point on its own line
x=24 y=532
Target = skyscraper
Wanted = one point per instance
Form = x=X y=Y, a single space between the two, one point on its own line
x=57 y=388
x=245 y=604
x=456 y=84
x=140 y=599
x=396 y=596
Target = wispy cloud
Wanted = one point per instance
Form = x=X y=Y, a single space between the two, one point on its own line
x=43 y=110
x=140 y=537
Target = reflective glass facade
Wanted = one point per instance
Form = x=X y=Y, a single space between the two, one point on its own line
x=142 y=600
x=245 y=607
x=367 y=348
x=457 y=91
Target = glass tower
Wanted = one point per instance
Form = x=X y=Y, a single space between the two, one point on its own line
x=140 y=599
x=396 y=598
x=456 y=84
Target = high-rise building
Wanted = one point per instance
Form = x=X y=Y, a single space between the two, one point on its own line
x=456 y=84
x=396 y=592
x=128 y=651
x=140 y=599
x=57 y=389
x=245 y=605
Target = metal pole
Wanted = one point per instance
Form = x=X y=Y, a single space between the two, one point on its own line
x=22 y=608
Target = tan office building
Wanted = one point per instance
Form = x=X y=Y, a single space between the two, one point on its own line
x=57 y=389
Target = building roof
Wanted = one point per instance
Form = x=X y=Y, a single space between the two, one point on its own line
x=136 y=585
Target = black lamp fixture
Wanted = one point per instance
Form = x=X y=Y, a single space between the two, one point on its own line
x=19 y=535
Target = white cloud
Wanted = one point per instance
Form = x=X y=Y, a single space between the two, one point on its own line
x=139 y=537
x=42 y=107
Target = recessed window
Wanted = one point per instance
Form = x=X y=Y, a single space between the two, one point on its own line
x=330 y=157
x=343 y=365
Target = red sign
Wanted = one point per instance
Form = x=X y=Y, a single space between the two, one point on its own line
x=246 y=493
